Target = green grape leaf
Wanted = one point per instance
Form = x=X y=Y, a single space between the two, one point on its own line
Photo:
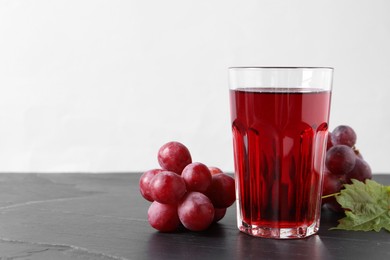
x=367 y=206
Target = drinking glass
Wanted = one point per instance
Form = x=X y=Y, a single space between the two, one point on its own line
x=279 y=121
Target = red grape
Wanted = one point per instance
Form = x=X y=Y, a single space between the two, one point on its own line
x=343 y=162
x=332 y=183
x=329 y=143
x=214 y=170
x=144 y=182
x=360 y=172
x=333 y=205
x=183 y=193
x=167 y=187
x=174 y=156
x=196 y=212
x=197 y=177
x=345 y=135
x=163 y=217
x=222 y=190
x=340 y=159
x=219 y=214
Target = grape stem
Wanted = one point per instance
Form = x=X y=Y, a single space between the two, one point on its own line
x=330 y=195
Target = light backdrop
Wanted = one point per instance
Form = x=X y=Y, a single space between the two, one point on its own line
x=99 y=86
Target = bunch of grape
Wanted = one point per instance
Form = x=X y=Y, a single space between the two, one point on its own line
x=343 y=162
x=185 y=193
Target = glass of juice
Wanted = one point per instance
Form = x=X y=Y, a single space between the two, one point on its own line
x=279 y=121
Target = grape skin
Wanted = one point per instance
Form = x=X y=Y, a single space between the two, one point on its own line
x=174 y=156
x=144 y=183
x=332 y=183
x=197 y=177
x=163 y=217
x=345 y=135
x=329 y=143
x=360 y=172
x=167 y=187
x=340 y=159
x=222 y=190
x=219 y=214
x=196 y=212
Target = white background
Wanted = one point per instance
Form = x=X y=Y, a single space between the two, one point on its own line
x=98 y=86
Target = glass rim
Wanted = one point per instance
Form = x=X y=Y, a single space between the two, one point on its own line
x=278 y=67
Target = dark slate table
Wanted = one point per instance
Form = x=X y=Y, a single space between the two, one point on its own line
x=103 y=216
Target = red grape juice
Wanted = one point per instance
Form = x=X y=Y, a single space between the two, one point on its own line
x=279 y=138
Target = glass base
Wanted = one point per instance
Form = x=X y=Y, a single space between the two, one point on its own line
x=279 y=233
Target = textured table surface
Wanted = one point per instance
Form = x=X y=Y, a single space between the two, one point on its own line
x=102 y=216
